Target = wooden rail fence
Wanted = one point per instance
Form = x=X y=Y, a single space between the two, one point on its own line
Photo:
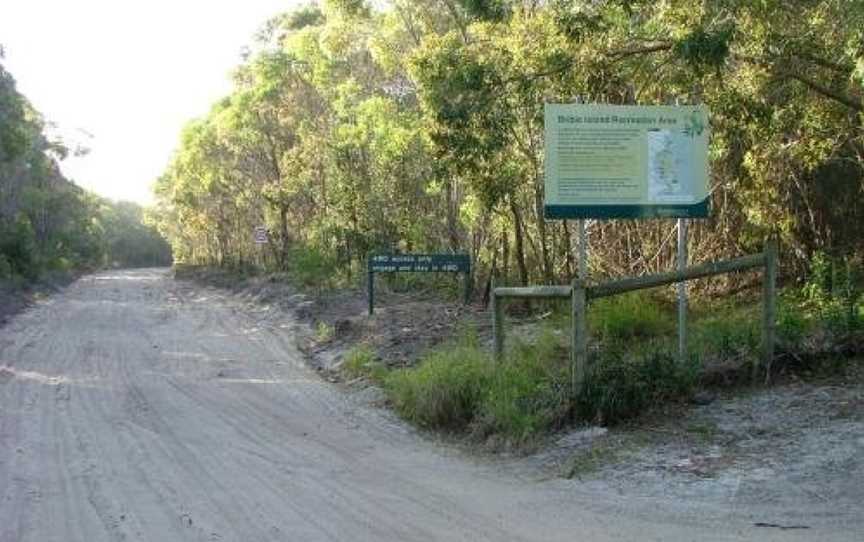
x=580 y=294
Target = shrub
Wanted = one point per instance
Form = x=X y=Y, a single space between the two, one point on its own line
x=527 y=394
x=726 y=335
x=459 y=387
x=792 y=323
x=60 y=264
x=630 y=316
x=324 y=332
x=833 y=291
x=466 y=335
x=361 y=362
x=445 y=390
x=621 y=386
x=18 y=250
x=312 y=268
x=446 y=285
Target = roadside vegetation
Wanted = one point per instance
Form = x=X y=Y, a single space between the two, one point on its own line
x=412 y=126
x=49 y=226
x=515 y=403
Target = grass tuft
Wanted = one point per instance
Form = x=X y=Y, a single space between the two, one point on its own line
x=621 y=386
x=444 y=391
x=628 y=317
x=361 y=362
x=726 y=335
x=527 y=394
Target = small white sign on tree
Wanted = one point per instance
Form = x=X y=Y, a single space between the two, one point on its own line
x=261 y=235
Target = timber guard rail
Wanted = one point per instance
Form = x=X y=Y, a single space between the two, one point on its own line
x=580 y=294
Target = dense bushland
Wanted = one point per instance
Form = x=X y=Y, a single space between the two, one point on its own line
x=417 y=126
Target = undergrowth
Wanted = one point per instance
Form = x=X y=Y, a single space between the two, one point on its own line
x=459 y=388
x=634 y=367
x=445 y=391
x=622 y=385
x=632 y=316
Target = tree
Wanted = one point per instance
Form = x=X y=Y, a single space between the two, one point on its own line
x=419 y=127
x=48 y=223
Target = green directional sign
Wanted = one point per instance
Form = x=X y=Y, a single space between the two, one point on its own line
x=417 y=263
x=616 y=161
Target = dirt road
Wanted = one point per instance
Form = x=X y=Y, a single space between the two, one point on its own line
x=133 y=407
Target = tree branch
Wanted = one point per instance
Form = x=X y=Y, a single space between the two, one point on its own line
x=848 y=101
x=835 y=95
x=614 y=55
x=633 y=51
x=824 y=63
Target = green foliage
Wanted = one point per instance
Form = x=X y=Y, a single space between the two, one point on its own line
x=349 y=8
x=486 y=10
x=459 y=388
x=628 y=317
x=310 y=15
x=445 y=390
x=361 y=362
x=527 y=395
x=323 y=332
x=128 y=240
x=834 y=290
x=5 y=268
x=47 y=223
x=17 y=247
x=727 y=334
x=704 y=50
x=311 y=267
x=621 y=386
x=793 y=325
x=419 y=127
x=445 y=286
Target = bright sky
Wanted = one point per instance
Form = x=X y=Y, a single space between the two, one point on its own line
x=131 y=73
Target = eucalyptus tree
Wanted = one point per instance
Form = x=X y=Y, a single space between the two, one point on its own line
x=418 y=126
x=48 y=223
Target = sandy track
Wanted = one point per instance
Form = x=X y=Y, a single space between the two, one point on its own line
x=134 y=408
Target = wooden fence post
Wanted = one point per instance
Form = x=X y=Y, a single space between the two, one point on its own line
x=497 y=324
x=579 y=335
x=769 y=310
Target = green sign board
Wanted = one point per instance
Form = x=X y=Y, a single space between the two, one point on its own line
x=417 y=263
x=622 y=161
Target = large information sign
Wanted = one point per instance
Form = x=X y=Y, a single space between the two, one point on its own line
x=621 y=161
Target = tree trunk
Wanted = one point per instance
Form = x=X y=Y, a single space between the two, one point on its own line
x=568 y=247
x=541 y=230
x=283 y=232
x=452 y=225
x=520 y=245
x=505 y=256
